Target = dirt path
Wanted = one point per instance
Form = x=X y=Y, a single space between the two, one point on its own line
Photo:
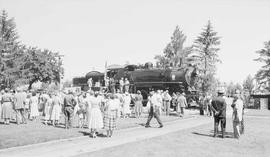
x=85 y=144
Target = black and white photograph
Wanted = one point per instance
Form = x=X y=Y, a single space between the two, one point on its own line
x=134 y=78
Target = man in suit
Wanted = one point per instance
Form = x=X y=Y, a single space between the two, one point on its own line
x=19 y=100
x=69 y=104
x=218 y=106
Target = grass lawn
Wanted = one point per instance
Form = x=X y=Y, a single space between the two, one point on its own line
x=35 y=132
x=198 y=141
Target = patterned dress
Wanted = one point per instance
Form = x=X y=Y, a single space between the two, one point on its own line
x=7 y=107
x=111 y=114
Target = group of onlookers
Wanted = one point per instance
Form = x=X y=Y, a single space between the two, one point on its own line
x=98 y=110
x=22 y=105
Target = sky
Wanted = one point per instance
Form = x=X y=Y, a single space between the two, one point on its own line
x=90 y=32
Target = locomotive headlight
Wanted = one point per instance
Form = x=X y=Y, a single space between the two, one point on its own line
x=173 y=77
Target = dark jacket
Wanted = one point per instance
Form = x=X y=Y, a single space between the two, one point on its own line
x=218 y=106
x=69 y=101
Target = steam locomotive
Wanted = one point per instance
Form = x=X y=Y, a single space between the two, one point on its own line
x=145 y=79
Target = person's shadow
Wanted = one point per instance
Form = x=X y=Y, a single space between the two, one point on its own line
x=87 y=133
x=211 y=133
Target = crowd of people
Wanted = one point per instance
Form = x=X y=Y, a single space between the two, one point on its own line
x=100 y=110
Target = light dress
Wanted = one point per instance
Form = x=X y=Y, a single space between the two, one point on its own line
x=34 y=106
x=95 y=115
x=56 y=108
x=126 y=105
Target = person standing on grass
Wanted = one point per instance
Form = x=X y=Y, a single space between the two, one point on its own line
x=48 y=109
x=181 y=104
x=138 y=104
x=56 y=109
x=95 y=116
x=218 y=106
x=126 y=105
x=34 y=106
x=121 y=85
x=111 y=114
x=167 y=102
x=126 y=85
x=6 y=101
x=1 y=94
x=237 y=115
x=155 y=106
x=69 y=104
x=19 y=100
x=27 y=106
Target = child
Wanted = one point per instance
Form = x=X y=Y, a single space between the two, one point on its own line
x=81 y=115
x=27 y=107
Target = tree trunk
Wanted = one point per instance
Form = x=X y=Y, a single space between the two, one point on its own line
x=30 y=85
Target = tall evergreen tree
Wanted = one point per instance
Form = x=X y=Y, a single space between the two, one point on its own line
x=263 y=75
x=206 y=51
x=9 y=49
x=175 y=54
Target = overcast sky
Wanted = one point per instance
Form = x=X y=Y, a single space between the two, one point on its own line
x=90 y=32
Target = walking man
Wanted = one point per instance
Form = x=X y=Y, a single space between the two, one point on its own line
x=181 y=104
x=218 y=106
x=154 y=110
x=69 y=104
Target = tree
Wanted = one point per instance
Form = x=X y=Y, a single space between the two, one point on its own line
x=206 y=51
x=248 y=87
x=9 y=49
x=263 y=75
x=248 y=84
x=175 y=54
x=67 y=83
x=41 y=65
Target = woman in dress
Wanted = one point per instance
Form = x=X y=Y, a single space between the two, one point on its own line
x=95 y=116
x=27 y=107
x=34 y=106
x=110 y=116
x=56 y=109
x=138 y=104
x=48 y=109
x=7 y=107
x=126 y=105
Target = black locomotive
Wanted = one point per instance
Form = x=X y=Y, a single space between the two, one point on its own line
x=145 y=79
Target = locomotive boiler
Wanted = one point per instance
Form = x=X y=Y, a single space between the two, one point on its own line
x=145 y=79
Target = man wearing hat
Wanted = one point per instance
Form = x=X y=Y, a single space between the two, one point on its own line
x=218 y=107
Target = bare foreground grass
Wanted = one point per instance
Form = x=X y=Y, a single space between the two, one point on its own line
x=198 y=141
x=35 y=132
